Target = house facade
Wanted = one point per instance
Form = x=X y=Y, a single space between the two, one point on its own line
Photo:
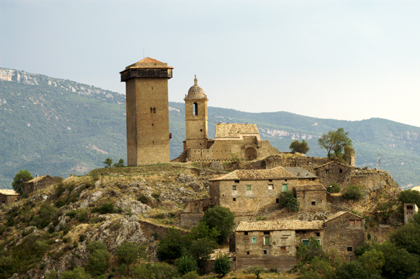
x=273 y=244
x=8 y=196
x=250 y=191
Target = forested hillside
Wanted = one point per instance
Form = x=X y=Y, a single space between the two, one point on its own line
x=57 y=127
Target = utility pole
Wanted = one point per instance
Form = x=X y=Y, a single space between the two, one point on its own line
x=201 y=159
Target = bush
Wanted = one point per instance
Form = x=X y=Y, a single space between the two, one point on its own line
x=120 y=164
x=222 y=219
x=186 y=264
x=353 y=192
x=71 y=213
x=191 y=275
x=106 y=208
x=407 y=237
x=333 y=188
x=129 y=252
x=77 y=273
x=301 y=147
x=409 y=196
x=156 y=195
x=45 y=216
x=107 y=162
x=158 y=271
x=256 y=270
x=98 y=262
x=353 y=270
x=170 y=247
x=221 y=265
x=81 y=215
x=143 y=199
x=288 y=200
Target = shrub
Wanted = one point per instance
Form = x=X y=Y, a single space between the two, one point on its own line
x=66 y=239
x=45 y=216
x=52 y=274
x=96 y=245
x=77 y=273
x=256 y=270
x=301 y=147
x=191 y=275
x=143 y=199
x=170 y=247
x=222 y=219
x=98 y=262
x=186 y=264
x=333 y=188
x=158 y=271
x=221 y=265
x=81 y=237
x=129 y=252
x=288 y=200
x=353 y=270
x=71 y=213
x=107 y=162
x=353 y=192
x=120 y=164
x=81 y=215
x=409 y=196
x=106 y=208
x=156 y=195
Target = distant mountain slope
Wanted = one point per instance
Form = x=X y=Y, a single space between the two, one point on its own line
x=55 y=126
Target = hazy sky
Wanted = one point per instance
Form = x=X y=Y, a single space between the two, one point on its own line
x=347 y=60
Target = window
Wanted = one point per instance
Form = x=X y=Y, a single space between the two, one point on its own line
x=265 y=252
x=267 y=233
x=349 y=249
x=233 y=187
x=245 y=233
x=317 y=234
x=313 y=203
x=341 y=171
x=409 y=207
x=283 y=248
x=236 y=181
x=247 y=253
x=195 y=109
x=355 y=223
x=284 y=188
x=305 y=242
x=270 y=180
x=266 y=240
x=234 y=199
x=254 y=240
x=270 y=186
x=248 y=187
x=277 y=200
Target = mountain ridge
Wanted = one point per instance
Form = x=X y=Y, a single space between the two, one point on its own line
x=57 y=127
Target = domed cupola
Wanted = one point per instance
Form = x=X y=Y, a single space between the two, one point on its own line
x=195 y=91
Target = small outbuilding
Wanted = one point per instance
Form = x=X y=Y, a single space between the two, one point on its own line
x=40 y=182
x=8 y=196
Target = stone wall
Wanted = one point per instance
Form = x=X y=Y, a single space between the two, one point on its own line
x=344 y=234
x=30 y=187
x=189 y=220
x=6 y=199
x=262 y=194
x=312 y=200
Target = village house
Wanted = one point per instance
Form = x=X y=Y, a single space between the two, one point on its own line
x=247 y=192
x=40 y=182
x=409 y=210
x=8 y=196
x=273 y=244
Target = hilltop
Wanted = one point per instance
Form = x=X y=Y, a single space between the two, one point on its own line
x=57 y=127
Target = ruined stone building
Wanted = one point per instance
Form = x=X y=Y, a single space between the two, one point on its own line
x=147 y=111
x=273 y=244
x=231 y=142
x=246 y=192
x=409 y=210
x=8 y=196
x=40 y=182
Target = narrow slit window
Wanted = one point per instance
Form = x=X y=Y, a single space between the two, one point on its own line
x=254 y=240
x=265 y=252
x=195 y=109
x=284 y=188
x=248 y=187
x=234 y=199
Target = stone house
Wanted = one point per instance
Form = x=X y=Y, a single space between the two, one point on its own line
x=409 y=210
x=8 y=196
x=273 y=244
x=40 y=182
x=246 y=192
x=194 y=211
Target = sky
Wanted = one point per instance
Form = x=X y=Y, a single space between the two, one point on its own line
x=347 y=60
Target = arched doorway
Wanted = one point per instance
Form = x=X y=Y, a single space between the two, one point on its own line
x=250 y=153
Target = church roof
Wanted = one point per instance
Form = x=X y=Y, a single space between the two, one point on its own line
x=234 y=130
x=195 y=91
x=149 y=63
x=274 y=173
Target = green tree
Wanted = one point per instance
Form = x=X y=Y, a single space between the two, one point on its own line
x=107 y=163
x=98 y=260
x=201 y=250
x=306 y=253
x=186 y=264
x=335 y=141
x=222 y=219
x=288 y=200
x=408 y=237
x=409 y=196
x=301 y=147
x=120 y=164
x=170 y=247
x=399 y=263
x=355 y=270
x=353 y=192
x=129 y=252
x=21 y=177
x=221 y=265
x=373 y=259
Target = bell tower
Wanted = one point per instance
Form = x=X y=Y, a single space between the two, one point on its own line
x=147 y=111
x=196 y=117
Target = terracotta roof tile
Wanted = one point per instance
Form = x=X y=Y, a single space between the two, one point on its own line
x=341 y=213
x=149 y=63
x=37 y=179
x=7 y=192
x=279 y=225
x=300 y=172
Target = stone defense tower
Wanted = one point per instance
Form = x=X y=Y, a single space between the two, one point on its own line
x=147 y=111
x=196 y=117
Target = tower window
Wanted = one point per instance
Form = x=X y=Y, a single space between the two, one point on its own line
x=152 y=124
x=195 y=109
x=154 y=110
x=151 y=110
